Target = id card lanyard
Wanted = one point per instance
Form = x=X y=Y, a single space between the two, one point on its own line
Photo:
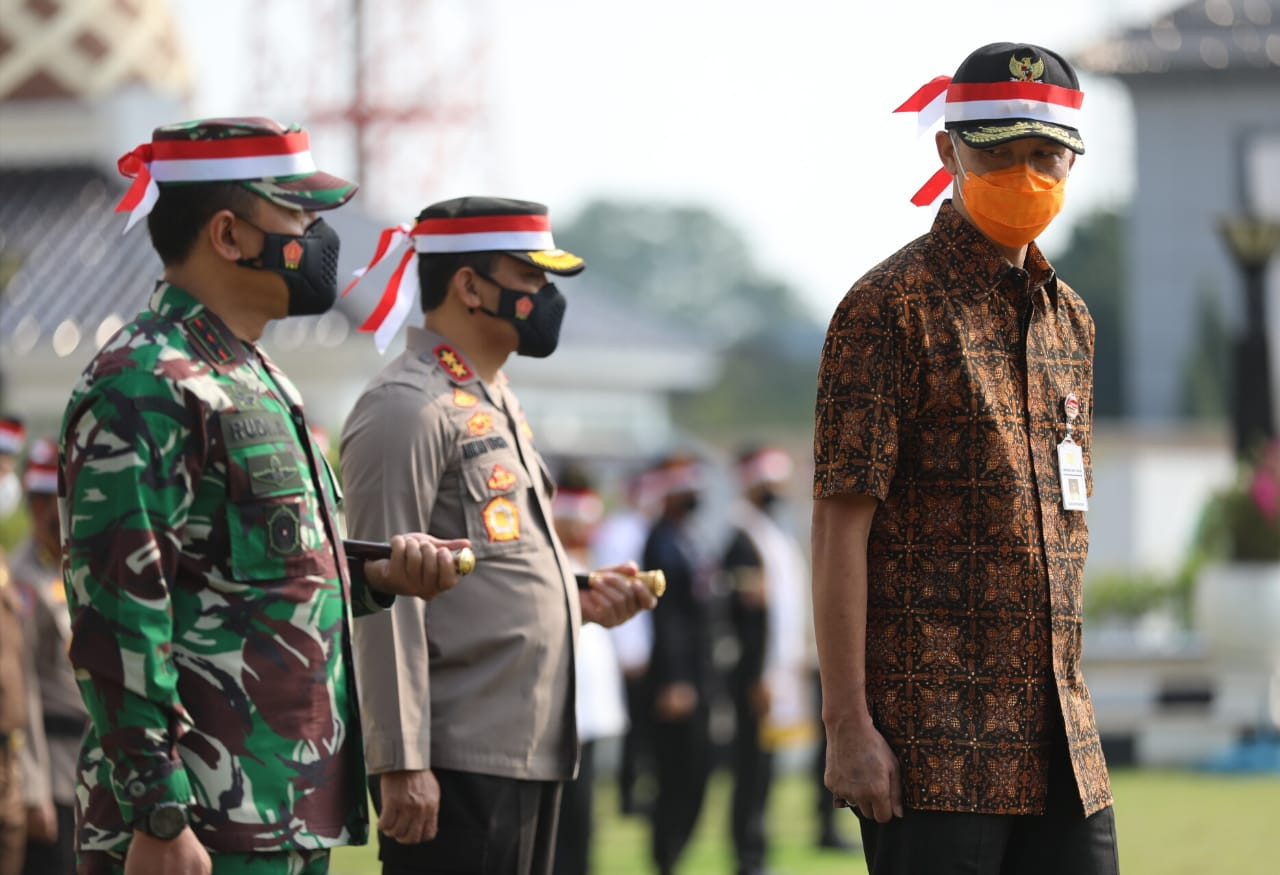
x=1071 y=461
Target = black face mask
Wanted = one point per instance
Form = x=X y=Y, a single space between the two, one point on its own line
x=537 y=317
x=307 y=262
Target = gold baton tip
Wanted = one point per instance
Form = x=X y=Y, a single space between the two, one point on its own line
x=464 y=561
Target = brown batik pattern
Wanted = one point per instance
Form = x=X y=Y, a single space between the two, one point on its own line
x=930 y=399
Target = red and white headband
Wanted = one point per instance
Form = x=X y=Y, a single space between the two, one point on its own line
x=577 y=505
x=766 y=466
x=961 y=102
x=12 y=434
x=226 y=159
x=433 y=236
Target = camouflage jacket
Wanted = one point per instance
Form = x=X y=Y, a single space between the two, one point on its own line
x=210 y=599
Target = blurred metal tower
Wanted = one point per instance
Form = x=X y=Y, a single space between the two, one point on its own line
x=403 y=82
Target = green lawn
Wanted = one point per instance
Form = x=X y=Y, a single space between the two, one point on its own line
x=1169 y=823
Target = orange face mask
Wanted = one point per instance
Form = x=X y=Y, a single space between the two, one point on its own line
x=1012 y=206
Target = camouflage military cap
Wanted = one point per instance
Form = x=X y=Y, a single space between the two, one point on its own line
x=270 y=159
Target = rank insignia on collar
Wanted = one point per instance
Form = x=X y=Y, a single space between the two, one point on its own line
x=480 y=424
x=210 y=340
x=453 y=364
x=501 y=520
x=462 y=398
x=526 y=430
x=501 y=480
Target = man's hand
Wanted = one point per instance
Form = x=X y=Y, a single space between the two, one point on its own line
x=862 y=770
x=42 y=823
x=183 y=855
x=420 y=566
x=615 y=596
x=410 y=805
x=675 y=701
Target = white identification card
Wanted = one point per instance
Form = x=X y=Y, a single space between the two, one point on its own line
x=1071 y=474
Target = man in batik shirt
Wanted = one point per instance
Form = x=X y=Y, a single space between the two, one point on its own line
x=949 y=536
x=211 y=598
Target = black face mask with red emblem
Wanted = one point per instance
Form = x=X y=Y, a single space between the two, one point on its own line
x=537 y=317
x=307 y=262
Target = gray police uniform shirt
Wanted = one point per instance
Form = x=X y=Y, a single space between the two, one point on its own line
x=481 y=678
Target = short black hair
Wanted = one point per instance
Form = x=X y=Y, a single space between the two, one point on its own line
x=437 y=269
x=182 y=211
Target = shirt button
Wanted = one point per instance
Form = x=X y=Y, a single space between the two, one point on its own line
x=137 y=789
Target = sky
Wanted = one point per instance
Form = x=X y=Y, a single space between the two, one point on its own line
x=777 y=115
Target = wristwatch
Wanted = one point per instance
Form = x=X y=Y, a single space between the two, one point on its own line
x=164 y=821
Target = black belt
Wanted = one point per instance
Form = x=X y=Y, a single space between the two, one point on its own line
x=64 y=725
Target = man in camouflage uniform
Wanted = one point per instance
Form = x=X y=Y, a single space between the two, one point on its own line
x=210 y=596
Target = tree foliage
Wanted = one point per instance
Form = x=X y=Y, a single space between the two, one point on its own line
x=1094 y=265
x=685 y=263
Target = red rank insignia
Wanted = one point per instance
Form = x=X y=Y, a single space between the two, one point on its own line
x=480 y=424
x=462 y=398
x=524 y=307
x=292 y=253
x=452 y=362
x=502 y=520
x=501 y=480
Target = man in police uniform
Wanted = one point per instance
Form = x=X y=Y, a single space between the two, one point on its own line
x=36 y=568
x=471 y=730
x=210 y=595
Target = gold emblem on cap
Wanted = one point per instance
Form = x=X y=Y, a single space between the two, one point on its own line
x=555 y=259
x=1028 y=69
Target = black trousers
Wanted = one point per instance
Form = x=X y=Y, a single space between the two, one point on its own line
x=682 y=749
x=752 y=780
x=488 y=826
x=573 y=834
x=637 y=747
x=1062 y=841
x=59 y=856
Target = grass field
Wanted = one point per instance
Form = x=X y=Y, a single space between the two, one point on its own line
x=1168 y=823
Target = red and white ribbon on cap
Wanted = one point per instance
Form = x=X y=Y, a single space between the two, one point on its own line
x=231 y=158
x=509 y=233
x=12 y=434
x=577 y=505
x=981 y=101
x=767 y=466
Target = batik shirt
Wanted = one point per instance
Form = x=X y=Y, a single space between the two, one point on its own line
x=941 y=393
x=210 y=599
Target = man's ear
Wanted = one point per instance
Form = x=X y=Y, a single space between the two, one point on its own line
x=947 y=152
x=463 y=284
x=221 y=231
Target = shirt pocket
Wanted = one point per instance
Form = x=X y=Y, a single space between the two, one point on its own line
x=497 y=508
x=273 y=521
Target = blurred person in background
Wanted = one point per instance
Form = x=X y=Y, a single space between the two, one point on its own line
x=680 y=666
x=36 y=569
x=469 y=705
x=13 y=435
x=620 y=538
x=768 y=607
x=601 y=704
x=17 y=706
